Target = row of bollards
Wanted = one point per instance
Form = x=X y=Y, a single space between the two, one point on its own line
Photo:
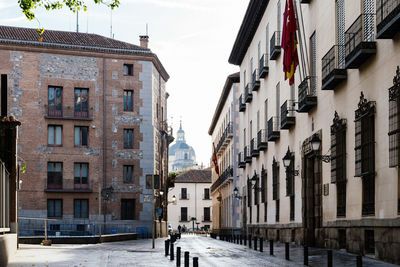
x=244 y=239
x=169 y=251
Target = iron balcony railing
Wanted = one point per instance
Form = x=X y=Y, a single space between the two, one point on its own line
x=184 y=196
x=307 y=94
x=275 y=45
x=225 y=137
x=248 y=96
x=288 y=118
x=253 y=148
x=273 y=129
x=333 y=67
x=255 y=81
x=263 y=67
x=68 y=113
x=359 y=41
x=387 y=18
x=242 y=105
x=262 y=142
x=206 y=218
x=4 y=199
x=228 y=172
x=183 y=218
x=246 y=153
x=241 y=162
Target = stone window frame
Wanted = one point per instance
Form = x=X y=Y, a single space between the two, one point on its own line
x=127 y=91
x=128 y=69
x=81 y=136
x=55 y=133
x=128 y=138
x=125 y=211
x=79 y=214
x=125 y=177
x=52 y=214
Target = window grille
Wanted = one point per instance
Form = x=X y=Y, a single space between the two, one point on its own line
x=394 y=123
x=275 y=180
x=263 y=185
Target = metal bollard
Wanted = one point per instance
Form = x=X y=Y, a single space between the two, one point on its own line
x=241 y=239
x=261 y=244
x=359 y=261
x=195 y=261
x=271 y=247
x=186 y=258
x=178 y=256
x=171 y=254
x=287 y=251
x=330 y=263
x=305 y=255
x=249 y=241
x=166 y=247
x=245 y=240
x=255 y=243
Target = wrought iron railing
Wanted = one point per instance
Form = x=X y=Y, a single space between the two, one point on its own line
x=255 y=80
x=275 y=45
x=334 y=59
x=242 y=105
x=248 y=96
x=227 y=132
x=68 y=112
x=287 y=111
x=308 y=87
x=253 y=147
x=273 y=127
x=263 y=66
x=4 y=199
x=262 y=142
x=386 y=10
x=362 y=30
x=228 y=172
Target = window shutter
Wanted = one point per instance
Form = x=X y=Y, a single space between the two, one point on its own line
x=333 y=156
x=263 y=185
x=275 y=177
x=248 y=193
x=357 y=148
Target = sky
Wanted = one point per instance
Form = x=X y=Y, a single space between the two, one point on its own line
x=192 y=38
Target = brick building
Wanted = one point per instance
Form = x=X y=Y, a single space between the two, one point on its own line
x=93 y=113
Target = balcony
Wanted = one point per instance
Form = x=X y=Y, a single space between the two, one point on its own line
x=247 y=155
x=248 y=96
x=253 y=148
x=359 y=41
x=57 y=187
x=228 y=173
x=242 y=105
x=263 y=66
x=224 y=139
x=387 y=18
x=305 y=1
x=275 y=45
x=288 y=118
x=262 y=142
x=273 y=129
x=184 y=196
x=68 y=113
x=333 y=71
x=241 y=163
x=255 y=81
x=307 y=94
x=206 y=219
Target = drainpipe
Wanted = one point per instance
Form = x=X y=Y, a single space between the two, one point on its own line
x=104 y=138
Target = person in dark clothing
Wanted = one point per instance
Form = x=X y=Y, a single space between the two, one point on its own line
x=179 y=228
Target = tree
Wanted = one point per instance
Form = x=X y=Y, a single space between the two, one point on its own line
x=27 y=6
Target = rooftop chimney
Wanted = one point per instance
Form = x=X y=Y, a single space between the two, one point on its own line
x=144 y=41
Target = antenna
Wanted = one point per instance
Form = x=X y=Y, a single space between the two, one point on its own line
x=147 y=29
x=111 y=34
x=87 y=22
x=77 y=21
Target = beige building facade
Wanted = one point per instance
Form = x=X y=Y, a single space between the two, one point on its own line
x=318 y=160
x=193 y=200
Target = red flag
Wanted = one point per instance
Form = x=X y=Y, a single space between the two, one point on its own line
x=289 y=42
x=214 y=159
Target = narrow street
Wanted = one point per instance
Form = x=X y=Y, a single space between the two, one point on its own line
x=211 y=252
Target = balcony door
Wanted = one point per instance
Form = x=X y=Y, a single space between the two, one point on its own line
x=55 y=101
x=81 y=103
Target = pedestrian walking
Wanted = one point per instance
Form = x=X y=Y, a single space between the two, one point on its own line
x=179 y=228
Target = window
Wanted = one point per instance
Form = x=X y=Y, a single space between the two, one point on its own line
x=128 y=69
x=81 y=103
x=54 y=208
x=54 y=175
x=338 y=162
x=128 y=209
x=275 y=180
x=54 y=135
x=206 y=193
x=128 y=173
x=248 y=192
x=81 y=208
x=207 y=214
x=128 y=100
x=184 y=193
x=81 y=173
x=184 y=216
x=290 y=177
x=81 y=135
x=128 y=138
x=265 y=211
x=365 y=152
x=277 y=206
x=55 y=101
x=256 y=191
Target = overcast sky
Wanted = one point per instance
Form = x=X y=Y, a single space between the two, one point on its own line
x=192 y=38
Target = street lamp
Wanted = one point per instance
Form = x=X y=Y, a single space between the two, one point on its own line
x=287 y=160
x=236 y=193
x=254 y=182
x=315 y=144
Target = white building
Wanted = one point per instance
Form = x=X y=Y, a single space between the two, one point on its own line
x=193 y=200
x=181 y=155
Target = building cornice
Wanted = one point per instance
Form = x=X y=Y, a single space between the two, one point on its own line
x=252 y=18
x=231 y=79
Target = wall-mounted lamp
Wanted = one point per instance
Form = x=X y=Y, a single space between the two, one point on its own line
x=254 y=182
x=315 y=144
x=287 y=160
x=236 y=193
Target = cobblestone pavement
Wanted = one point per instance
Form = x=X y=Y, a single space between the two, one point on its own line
x=211 y=252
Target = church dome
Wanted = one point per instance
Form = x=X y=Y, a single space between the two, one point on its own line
x=181 y=154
